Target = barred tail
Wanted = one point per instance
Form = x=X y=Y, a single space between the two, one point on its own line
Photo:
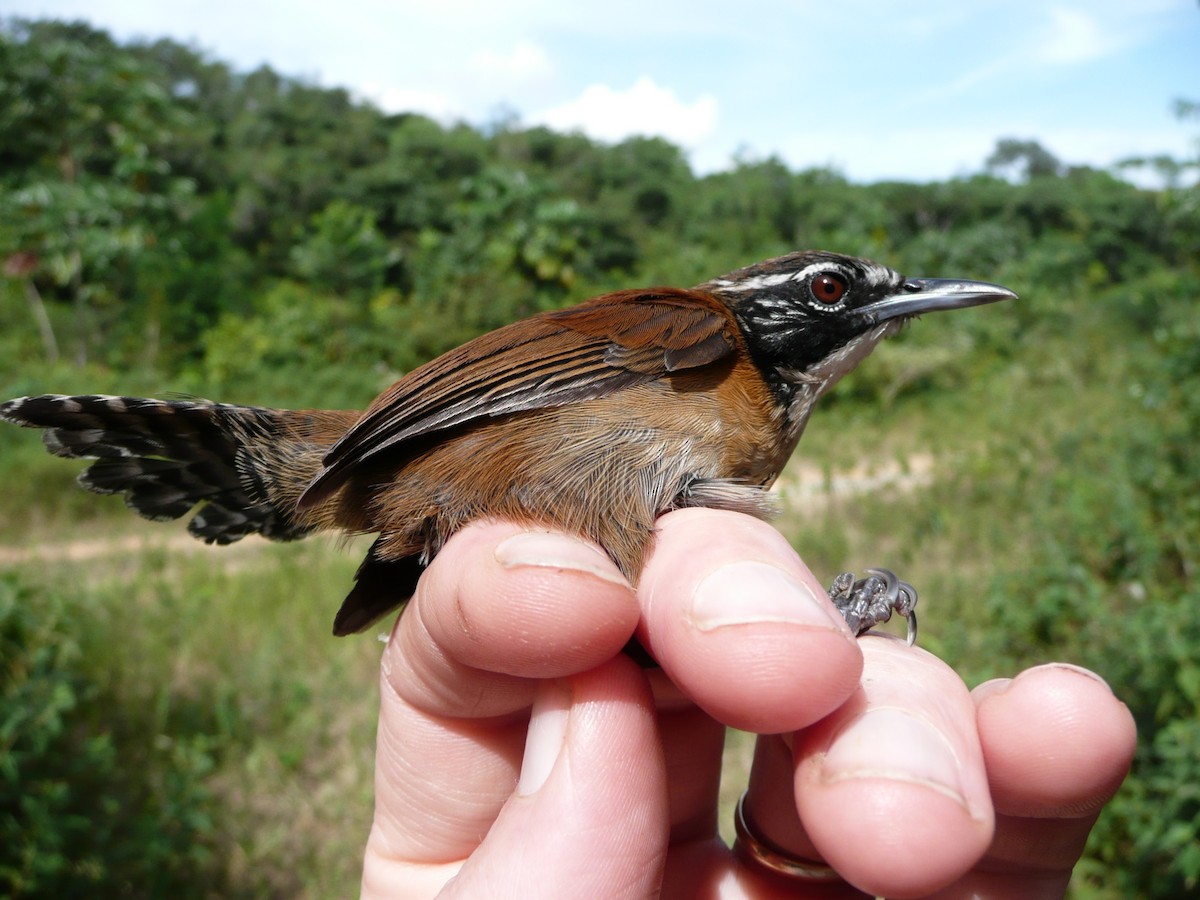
x=246 y=465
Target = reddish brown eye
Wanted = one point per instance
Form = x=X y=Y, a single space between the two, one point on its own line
x=828 y=287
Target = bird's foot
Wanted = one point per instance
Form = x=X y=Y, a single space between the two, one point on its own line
x=866 y=602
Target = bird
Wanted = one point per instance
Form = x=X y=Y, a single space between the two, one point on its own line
x=594 y=419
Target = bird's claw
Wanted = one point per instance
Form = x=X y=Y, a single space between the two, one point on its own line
x=866 y=602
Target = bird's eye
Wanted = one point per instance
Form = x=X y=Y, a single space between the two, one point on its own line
x=828 y=287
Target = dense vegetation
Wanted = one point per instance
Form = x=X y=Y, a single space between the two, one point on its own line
x=182 y=725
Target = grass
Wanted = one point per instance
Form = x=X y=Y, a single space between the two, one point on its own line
x=229 y=651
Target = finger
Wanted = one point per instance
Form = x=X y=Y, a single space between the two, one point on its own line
x=1058 y=744
x=589 y=817
x=502 y=604
x=891 y=789
x=741 y=626
x=693 y=745
x=451 y=730
x=440 y=782
x=705 y=867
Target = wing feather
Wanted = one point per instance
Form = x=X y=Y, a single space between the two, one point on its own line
x=551 y=359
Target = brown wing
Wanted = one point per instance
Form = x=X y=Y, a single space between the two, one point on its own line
x=548 y=360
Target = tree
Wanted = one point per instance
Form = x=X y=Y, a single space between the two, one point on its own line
x=1022 y=160
x=343 y=252
x=87 y=190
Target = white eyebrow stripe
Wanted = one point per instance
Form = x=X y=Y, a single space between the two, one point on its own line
x=758 y=282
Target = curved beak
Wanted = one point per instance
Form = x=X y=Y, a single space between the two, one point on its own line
x=922 y=295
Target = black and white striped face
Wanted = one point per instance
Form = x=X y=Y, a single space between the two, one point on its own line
x=824 y=282
x=811 y=316
x=800 y=309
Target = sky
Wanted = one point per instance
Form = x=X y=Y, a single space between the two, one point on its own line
x=877 y=89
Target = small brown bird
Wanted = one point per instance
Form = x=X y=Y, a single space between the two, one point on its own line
x=593 y=419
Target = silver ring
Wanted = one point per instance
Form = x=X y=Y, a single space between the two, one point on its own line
x=763 y=854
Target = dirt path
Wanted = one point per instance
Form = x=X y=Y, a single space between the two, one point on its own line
x=85 y=549
x=809 y=483
x=801 y=484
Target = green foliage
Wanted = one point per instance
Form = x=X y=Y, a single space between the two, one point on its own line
x=343 y=252
x=88 y=803
x=92 y=198
x=169 y=224
x=148 y=749
x=300 y=347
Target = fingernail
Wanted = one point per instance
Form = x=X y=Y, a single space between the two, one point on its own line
x=547 y=731
x=892 y=744
x=993 y=687
x=556 y=551
x=748 y=592
x=1068 y=667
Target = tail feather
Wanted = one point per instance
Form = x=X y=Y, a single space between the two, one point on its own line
x=241 y=468
x=167 y=456
x=380 y=585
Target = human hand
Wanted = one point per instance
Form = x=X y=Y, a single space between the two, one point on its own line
x=881 y=763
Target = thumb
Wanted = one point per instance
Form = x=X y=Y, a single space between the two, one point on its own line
x=589 y=816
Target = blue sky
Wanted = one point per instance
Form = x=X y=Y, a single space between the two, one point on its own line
x=876 y=88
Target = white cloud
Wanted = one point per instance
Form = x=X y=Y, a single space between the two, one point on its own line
x=1060 y=36
x=645 y=108
x=525 y=61
x=469 y=90
x=960 y=85
x=1076 y=37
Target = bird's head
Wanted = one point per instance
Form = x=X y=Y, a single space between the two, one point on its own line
x=809 y=317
